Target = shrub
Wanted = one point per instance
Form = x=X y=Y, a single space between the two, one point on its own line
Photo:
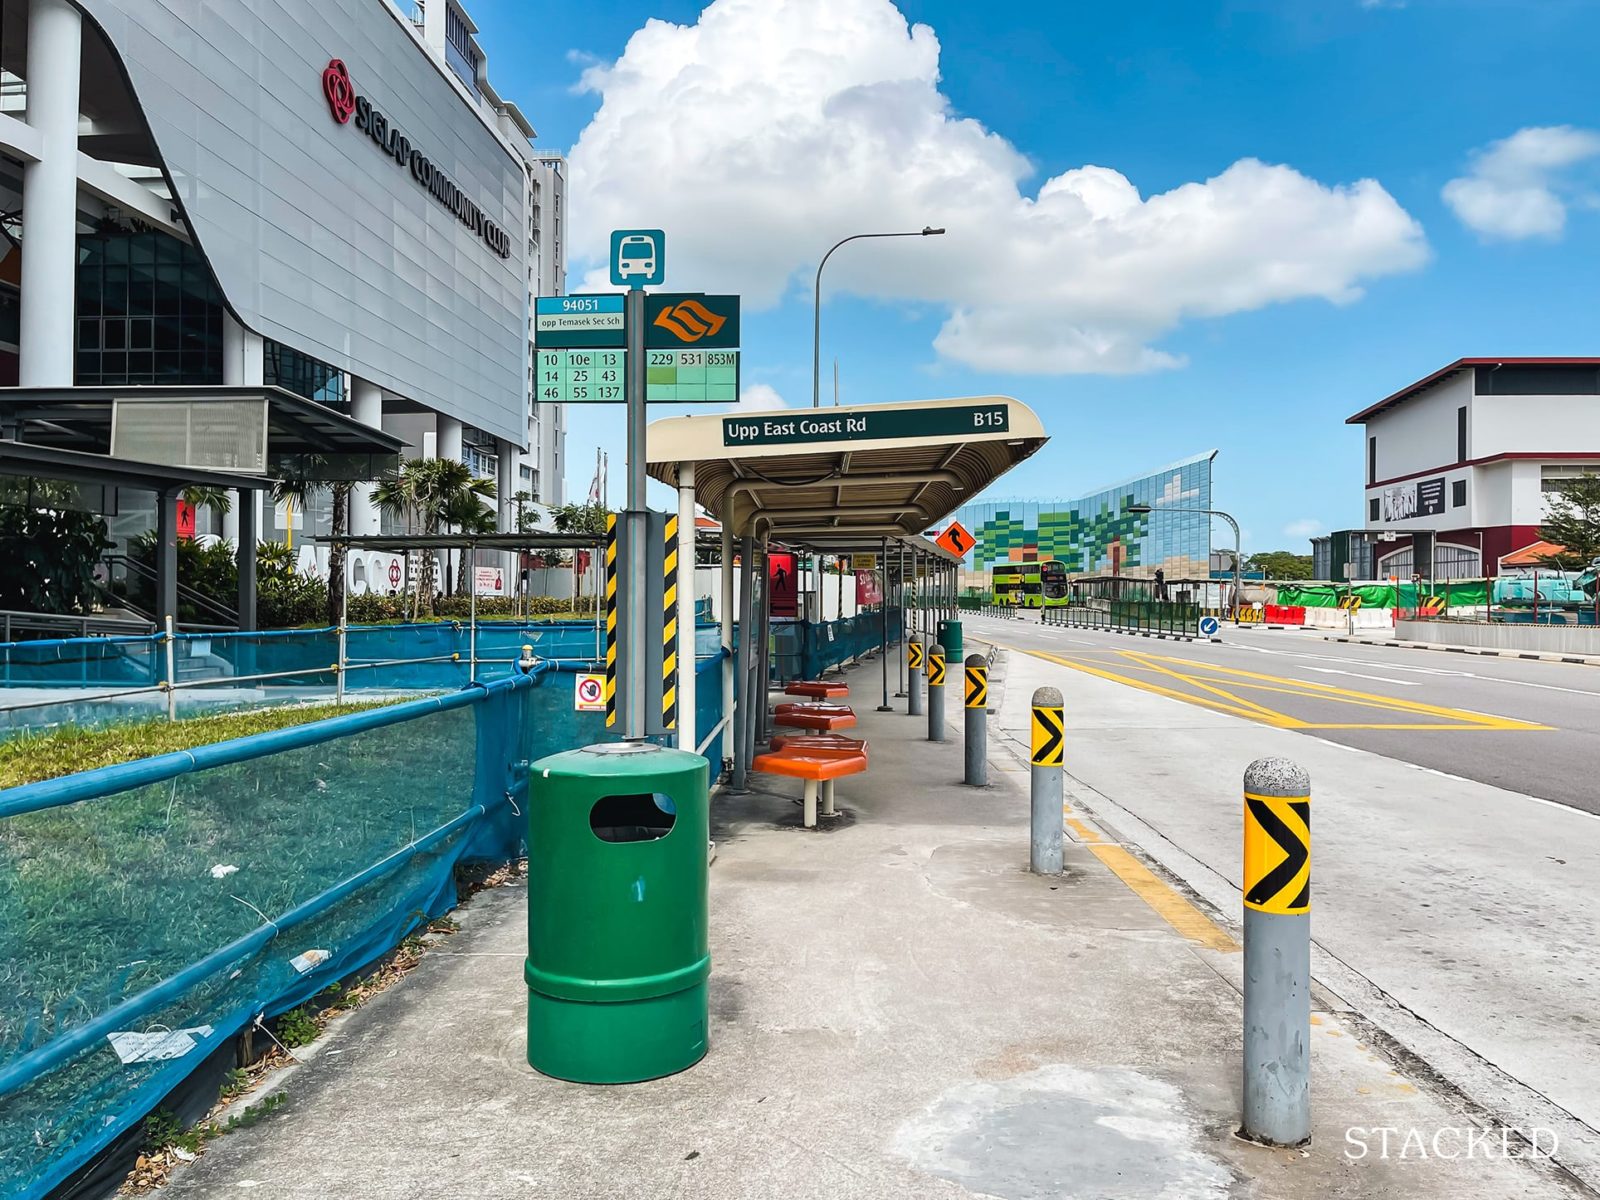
x=284 y=601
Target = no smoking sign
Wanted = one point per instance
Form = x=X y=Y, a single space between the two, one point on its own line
x=589 y=693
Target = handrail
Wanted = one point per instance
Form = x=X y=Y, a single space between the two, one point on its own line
x=185 y=592
x=120 y=777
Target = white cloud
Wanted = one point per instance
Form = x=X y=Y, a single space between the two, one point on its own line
x=771 y=128
x=1517 y=187
x=758 y=397
x=1303 y=528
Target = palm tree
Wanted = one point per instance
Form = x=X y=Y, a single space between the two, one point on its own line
x=421 y=494
x=298 y=486
x=466 y=513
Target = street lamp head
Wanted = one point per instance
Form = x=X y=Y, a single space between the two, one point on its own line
x=1139 y=508
x=930 y=231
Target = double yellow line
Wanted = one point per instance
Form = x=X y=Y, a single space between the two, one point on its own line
x=1221 y=694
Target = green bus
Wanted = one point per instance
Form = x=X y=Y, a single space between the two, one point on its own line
x=1030 y=584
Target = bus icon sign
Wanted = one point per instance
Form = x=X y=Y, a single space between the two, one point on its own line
x=638 y=258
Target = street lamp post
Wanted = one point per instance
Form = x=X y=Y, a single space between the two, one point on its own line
x=1210 y=512
x=816 y=319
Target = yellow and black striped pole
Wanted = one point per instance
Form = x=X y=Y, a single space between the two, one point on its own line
x=914 y=658
x=1048 y=754
x=977 y=725
x=669 y=626
x=1277 y=953
x=936 y=693
x=611 y=619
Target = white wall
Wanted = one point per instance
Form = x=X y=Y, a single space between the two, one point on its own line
x=1534 y=425
x=708 y=582
x=1420 y=433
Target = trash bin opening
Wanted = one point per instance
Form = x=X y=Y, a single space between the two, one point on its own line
x=641 y=817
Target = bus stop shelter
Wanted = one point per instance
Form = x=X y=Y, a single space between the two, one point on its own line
x=864 y=479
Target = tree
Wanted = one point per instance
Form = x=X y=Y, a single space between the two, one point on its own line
x=299 y=484
x=1572 y=521
x=580 y=518
x=465 y=513
x=1280 y=564
x=49 y=548
x=420 y=493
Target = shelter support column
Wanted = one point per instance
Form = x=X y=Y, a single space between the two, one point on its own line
x=747 y=637
x=688 y=735
x=248 y=511
x=244 y=364
x=166 y=557
x=725 y=616
x=47 y=333
x=366 y=406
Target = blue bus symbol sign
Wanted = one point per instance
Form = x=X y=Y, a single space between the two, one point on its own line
x=1208 y=627
x=638 y=258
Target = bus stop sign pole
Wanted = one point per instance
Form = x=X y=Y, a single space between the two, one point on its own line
x=633 y=667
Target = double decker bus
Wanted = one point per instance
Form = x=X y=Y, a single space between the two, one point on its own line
x=1030 y=584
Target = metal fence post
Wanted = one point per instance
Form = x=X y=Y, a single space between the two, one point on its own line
x=977 y=725
x=1047 y=756
x=914 y=677
x=936 y=693
x=1277 y=953
x=172 y=676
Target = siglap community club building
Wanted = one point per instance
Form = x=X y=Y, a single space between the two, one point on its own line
x=1460 y=463
x=321 y=196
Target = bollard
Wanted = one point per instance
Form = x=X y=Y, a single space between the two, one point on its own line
x=1047 y=757
x=977 y=727
x=914 y=677
x=936 y=693
x=1277 y=953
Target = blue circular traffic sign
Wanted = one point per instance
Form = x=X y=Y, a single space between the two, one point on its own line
x=1209 y=626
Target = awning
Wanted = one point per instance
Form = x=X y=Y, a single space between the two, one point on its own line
x=76 y=466
x=842 y=479
x=302 y=435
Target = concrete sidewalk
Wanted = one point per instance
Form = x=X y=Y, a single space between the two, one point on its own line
x=898 y=1010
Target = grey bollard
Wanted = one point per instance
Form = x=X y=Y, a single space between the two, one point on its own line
x=976 y=690
x=1277 y=953
x=936 y=693
x=914 y=677
x=1047 y=758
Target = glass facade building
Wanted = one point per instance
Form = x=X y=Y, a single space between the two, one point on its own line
x=1097 y=535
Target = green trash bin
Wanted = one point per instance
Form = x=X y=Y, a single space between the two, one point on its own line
x=950 y=639
x=618 y=955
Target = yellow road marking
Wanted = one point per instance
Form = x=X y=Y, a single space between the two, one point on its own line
x=1169 y=905
x=1166 y=901
x=1222 y=700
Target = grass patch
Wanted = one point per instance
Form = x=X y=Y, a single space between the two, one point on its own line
x=28 y=758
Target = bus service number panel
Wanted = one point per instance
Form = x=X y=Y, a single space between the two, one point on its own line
x=581 y=376
x=692 y=376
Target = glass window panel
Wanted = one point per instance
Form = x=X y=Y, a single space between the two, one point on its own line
x=115 y=334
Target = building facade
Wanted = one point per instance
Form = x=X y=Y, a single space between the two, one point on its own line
x=1097 y=535
x=335 y=201
x=1458 y=464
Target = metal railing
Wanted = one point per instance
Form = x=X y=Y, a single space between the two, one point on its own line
x=1160 y=617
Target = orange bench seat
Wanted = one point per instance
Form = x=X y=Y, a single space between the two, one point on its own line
x=832 y=744
x=823 y=717
x=814 y=770
x=817 y=689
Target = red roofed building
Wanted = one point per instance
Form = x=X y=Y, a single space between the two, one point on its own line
x=1458 y=464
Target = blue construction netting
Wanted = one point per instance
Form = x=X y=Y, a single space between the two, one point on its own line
x=153 y=910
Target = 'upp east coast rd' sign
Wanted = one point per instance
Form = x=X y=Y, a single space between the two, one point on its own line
x=839 y=425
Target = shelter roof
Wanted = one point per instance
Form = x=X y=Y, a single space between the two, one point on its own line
x=841 y=479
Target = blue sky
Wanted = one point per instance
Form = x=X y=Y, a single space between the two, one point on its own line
x=1201 y=320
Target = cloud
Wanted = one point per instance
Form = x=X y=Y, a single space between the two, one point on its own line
x=1303 y=528
x=1517 y=187
x=758 y=397
x=769 y=129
